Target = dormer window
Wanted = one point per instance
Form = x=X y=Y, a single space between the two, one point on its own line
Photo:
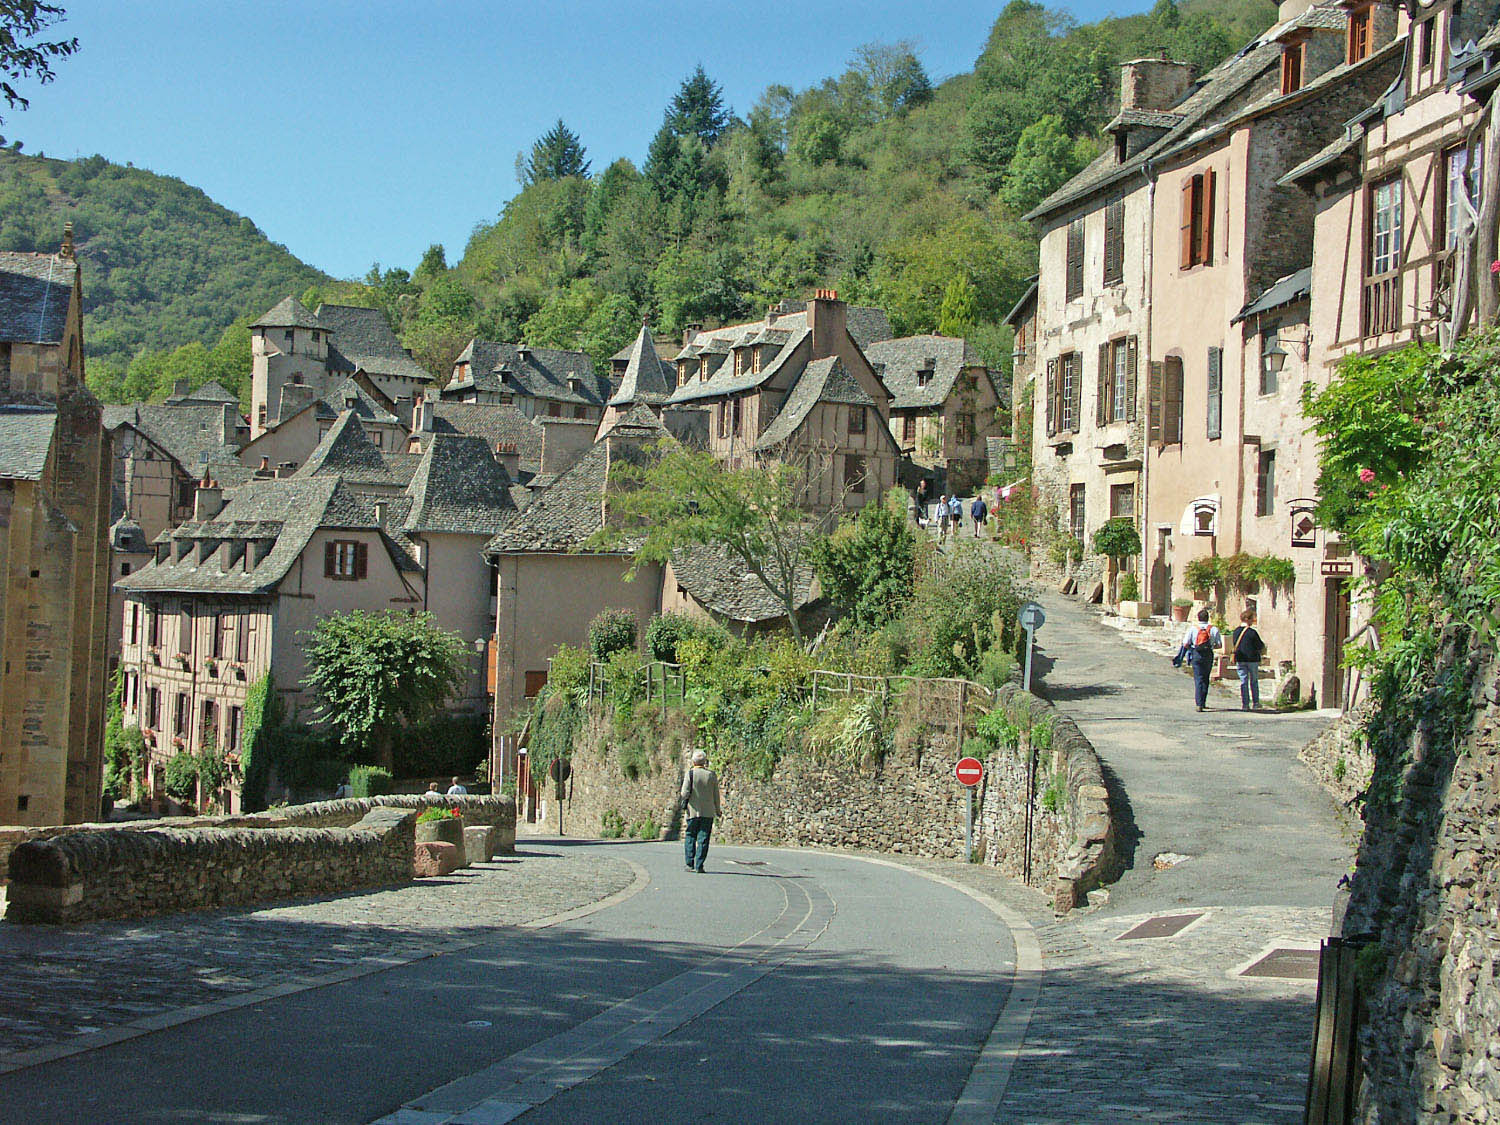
x=739 y=361
x=755 y=354
x=924 y=377
x=1291 y=66
x=703 y=367
x=1361 y=34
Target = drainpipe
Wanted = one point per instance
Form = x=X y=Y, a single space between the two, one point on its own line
x=1148 y=538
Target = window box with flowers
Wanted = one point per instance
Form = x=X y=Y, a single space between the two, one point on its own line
x=154 y=654
x=237 y=670
x=179 y=742
x=183 y=660
x=211 y=666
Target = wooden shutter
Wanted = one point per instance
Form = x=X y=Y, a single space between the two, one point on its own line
x=1114 y=243
x=1171 y=427
x=1101 y=413
x=330 y=559
x=1077 y=364
x=361 y=559
x=1154 y=403
x=1075 y=260
x=1215 y=393
x=1206 y=222
x=1130 y=381
x=1189 y=241
x=1052 y=396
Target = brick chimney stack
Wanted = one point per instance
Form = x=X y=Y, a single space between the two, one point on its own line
x=1154 y=85
x=208 y=501
x=827 y=318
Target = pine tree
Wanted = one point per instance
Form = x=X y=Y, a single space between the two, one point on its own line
x=960 y=311
x=698 y=109
x=557 y=154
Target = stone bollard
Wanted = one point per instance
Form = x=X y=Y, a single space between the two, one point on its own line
x=434 y=857
x=477 y=839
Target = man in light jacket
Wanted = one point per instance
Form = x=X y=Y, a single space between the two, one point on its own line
x=700 y=804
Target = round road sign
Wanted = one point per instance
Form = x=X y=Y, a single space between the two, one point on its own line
x=1031 y=616
x=559 y=770
x=969 y=771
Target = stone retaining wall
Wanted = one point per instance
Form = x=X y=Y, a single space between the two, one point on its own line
x=1339 y=758
x=131 y=872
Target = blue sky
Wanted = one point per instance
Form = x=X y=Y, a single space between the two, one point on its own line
x=356 y=132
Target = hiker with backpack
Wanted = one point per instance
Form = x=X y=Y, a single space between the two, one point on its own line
x=1248 y=651
x=1200 y=646
x=980 y=511
x=956 y=510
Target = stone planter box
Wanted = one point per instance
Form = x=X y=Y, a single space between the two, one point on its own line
x=477 y=839
x=449 y=830
x=1135 y=611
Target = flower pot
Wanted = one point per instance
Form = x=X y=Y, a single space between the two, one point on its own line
x=449 y=830
x=1180 y=612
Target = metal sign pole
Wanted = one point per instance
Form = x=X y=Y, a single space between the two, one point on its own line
x=1030 y=644
x=968 y=825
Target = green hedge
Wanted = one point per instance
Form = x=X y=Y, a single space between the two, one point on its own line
x=447 y=746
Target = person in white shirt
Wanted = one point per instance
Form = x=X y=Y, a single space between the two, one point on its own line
x=457 y=790
x=1200 y=645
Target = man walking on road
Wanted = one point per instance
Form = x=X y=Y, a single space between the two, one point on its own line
x=700 y=804
x=1199 y=646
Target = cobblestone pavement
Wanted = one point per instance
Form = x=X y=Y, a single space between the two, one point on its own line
x=59 y=983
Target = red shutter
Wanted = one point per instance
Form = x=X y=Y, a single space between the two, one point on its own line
x=330 y=559
x=1130 y=382
x=1103 y=395
x=361 y=559
x=1187 y=232
x=1206 y=224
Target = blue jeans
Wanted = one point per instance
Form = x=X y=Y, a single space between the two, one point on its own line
x=1201 y=672
x=1249 y=684
x=695 y=840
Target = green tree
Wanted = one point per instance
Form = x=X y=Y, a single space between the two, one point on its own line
x=556 y=155
x=697 y=109
x=1046 y=158
x=866 y=566
x=21 y=54
x=376 y=673
x=960 y=310
x=684 y=498
x=896 y=77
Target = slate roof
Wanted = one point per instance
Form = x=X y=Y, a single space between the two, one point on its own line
x=212 y=391
x=347 y=394
x=364 y=339
x=1292 y=287
x=288 y=313
x=280 y=513
x=1215 y=101
x=458 y=488
x=347 y=451
x=535 y=372
x=191 y=433
x=35 y=290
x=723 y=381
x=1028 y=300
x=899 y=361
x=646 y=377
x=25 y=439
x=722 y=584
x=1143 y=118
x=823 y=380
x=571 y=508
x=496 y=424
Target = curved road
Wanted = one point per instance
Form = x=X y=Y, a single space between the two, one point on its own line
x=779 y=985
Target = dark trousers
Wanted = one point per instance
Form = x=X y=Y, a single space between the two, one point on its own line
x=695 y=840
x=1201 y=670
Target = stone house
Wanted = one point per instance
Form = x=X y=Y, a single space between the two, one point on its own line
x=1202 y=233
x=54 y=517
x=704 y=582
x=303 y=419
x=536 y=381
x=797 y=388
x=945 y=405
x=644 y=379
x=314 y=355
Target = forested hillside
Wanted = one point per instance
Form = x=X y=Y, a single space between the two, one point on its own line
x=895 y=191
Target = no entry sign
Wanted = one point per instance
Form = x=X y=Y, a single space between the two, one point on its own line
x=969 y=771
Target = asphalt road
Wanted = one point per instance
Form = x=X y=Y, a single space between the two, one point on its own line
x=778 y=986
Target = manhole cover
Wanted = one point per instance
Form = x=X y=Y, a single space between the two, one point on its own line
x=478 y=1023
x=1168 y=925
x=1286 y=964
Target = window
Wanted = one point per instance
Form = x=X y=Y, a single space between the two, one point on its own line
x=153 y=628
x=1164 y=408
x=739 y=361
x=856 y=419
x=723 y=419
x=180 y=714
x=854 y=473
x=345 y=560
x=535 y=682
x=1074 y=280
x=378 y=436
x=1272 y=356
x=1197 y=228
x=1215 y=393
x=1426 y=42
x=1463 y=167
x=296 y=378
x=755 y=354
x=554 y=410
x=288 y=338
x=236 y=729
x=909 y=428
x=1116 y=383
x=153 y=708
x=507 y=400
x=1385 y=227
x=1265 y=484
x=924 y=377
x=133 y=623
x=1359 y=34
x=208 y=724
x=580 y=411
x=124 y=569
x=260 y=416
x=1122 y=501
x=1291 y=68
x=734 y=417
x=964 y=428
x=1076 y=510
x=216 y=634
x=1064 y=394
x=703 y=367
x=1114 y=243
x=185 y=632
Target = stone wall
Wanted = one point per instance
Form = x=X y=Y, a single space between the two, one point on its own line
x=131 y=872
x=1340 y=758
x=907 y=803
x=1427 y=887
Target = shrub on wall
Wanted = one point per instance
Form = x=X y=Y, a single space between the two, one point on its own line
x=181 y=776
x=610 y=632
x=369 y=781
x=263 y=715
x=666 y=631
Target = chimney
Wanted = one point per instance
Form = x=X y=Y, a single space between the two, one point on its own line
x=380 y=512
x=523 y=352
x=180 y=388
x=1155 y=85
x=66 y=249
x=208 y=501
x=564 y=441
x=406 y=410
x=690 y=331
x=509 y=456
x=230 y=426
x=827 y=318
x=424 y=415
x=263 y=470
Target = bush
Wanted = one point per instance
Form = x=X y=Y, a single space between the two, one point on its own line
x=181 y=779
x=611 y=825
x=370 y=781
x=445 y=746
x=1130 y=588
x=666 y=631
x=996 y=667
x=965 y=603
x=645 y=828
x=438 y=813
x=612 y=631
x=569 y=671
x=1117 y=538
x=1204 y=573
x=866 y=566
